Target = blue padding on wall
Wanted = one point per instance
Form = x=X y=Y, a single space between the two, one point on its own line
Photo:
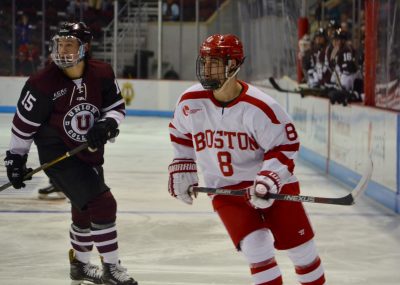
x=398 y=165
x=374 y=190
x=313 y=157
x=7 y=109
x=383 y=195
x=146 y=113
x=150 y=113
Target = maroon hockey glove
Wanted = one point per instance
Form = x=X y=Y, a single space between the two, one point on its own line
x=16 y=169
x=101 y=131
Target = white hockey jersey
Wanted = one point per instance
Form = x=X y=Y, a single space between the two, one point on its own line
x=232 y=144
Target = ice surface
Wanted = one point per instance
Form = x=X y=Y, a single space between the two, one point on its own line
x=163 y=241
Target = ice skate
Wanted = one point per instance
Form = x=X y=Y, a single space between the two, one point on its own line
x=50 y=193
x=115 y=274
x=84 y=273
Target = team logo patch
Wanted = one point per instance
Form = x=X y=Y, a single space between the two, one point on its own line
x=59 y=93
x=187 y=111
x=79 y=120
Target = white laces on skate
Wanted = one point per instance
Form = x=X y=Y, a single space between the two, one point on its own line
x=119 y=272
x=92 y=270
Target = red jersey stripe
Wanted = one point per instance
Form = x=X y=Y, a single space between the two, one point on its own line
x=181 y=141
x=282 y=159
x=263 y=107
x=287 y=147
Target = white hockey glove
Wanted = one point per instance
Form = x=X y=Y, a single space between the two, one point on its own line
x=182 y=175
x=266 y=182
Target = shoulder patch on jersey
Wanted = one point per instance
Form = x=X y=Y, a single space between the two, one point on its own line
x=187 y=111
x=59 y=93
x=79 y=119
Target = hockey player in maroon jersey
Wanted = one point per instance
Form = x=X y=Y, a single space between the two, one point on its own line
x=333 y=25
x=73 y=100
x=345 y=76
x=318 y=54
x=241 y=138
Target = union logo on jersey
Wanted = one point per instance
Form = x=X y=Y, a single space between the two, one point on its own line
x=79 y=120
x=186 y=110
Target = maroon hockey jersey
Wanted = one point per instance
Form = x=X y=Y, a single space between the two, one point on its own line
x=54 y=109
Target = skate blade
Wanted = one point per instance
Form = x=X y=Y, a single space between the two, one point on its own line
x=52 y=196
x=83 y=282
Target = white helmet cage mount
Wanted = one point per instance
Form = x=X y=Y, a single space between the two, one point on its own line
x=76 y=31
x=214 y=80
x=67 y=60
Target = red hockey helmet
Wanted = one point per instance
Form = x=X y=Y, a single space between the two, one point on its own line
x=225 y=48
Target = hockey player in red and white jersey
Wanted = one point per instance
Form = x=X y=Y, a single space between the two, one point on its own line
x=242 y=139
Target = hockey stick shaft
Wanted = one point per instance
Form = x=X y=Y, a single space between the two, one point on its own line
x=58 y=159
x=49 y=164
x=302 y=91
x=345 y=200
x=278 y=88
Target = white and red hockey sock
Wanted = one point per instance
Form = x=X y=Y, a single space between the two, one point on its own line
x=266 y=273
x=307 y=264
x=258 y=249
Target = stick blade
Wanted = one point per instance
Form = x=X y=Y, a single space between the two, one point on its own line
x=274 y=84
x=363 y=183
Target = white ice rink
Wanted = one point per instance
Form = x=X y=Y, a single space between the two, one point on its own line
x=165 y=242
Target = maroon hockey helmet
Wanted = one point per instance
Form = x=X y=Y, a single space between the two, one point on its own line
x=320 y=32
x=340 y=34
x=71 y=30
x=225 y=47
x=78 y=30
x=333 y=24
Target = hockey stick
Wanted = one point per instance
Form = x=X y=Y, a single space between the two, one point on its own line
x=302 y=91
x=345 y=200
x=278 y=88
x=55 y=161
x=49 y=164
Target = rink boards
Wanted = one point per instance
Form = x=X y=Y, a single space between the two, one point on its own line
x=334 y=138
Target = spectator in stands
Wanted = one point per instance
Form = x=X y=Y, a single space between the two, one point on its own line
x=333 y=25
x=170 y=11
x=96 y=4
x=24 y=64
x=320 y=42
x=314 y=59
x=76 y=8
x=360 y=50
x=171 y=74
x=23 y=31
x=305 y=58
x=346 y=22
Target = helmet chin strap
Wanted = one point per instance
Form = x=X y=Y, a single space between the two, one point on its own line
x=219 y=90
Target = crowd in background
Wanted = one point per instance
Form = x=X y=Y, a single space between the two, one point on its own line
x=28 y=28
x=331 y=56
x=97 y=14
